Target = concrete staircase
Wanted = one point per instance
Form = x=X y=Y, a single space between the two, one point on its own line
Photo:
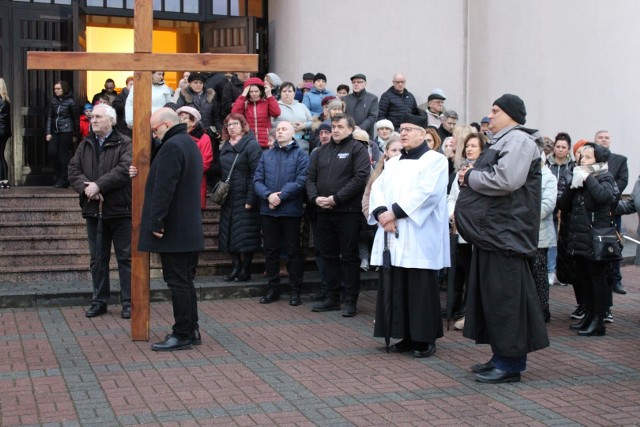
x=43 y=239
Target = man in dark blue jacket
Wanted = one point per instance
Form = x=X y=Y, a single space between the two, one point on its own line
x=336 y=179
x=397 y=101
x=172 y=222
x=279 y=182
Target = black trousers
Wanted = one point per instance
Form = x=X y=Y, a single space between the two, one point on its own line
x=4 y=166
x=338 y=243
x=118 y=231
x=593 y=287
x=58 y=151
x=177 y=270
x=282 y=233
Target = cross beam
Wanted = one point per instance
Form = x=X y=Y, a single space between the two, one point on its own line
x=143 y=61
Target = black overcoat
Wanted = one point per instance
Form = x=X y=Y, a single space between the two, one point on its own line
x=239 y=227
x=172 y=196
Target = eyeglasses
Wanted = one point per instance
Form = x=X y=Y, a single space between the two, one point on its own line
x=232 y=124
x=399 y=81
x=408 y=129
x=155 y=128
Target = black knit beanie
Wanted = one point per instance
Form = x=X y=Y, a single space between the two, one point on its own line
x=513 y=106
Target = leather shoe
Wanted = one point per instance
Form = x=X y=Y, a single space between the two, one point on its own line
x=272 y=296
x=196 y=338
x=320 y=296
x=619 y=289
x=172 y=344
x=96 y=310
x=419 y=354
x=401 y=346
x=294 y=299
x=496 y=376
x=126 y=311
x=349 y=310
x=326 y=305
x=479 y=368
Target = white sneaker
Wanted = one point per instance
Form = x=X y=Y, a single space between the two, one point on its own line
x=459 y=325
x=552 y=279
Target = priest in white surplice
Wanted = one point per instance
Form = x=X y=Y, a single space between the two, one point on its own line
x=409 y=201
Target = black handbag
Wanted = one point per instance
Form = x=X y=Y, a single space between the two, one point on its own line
x=606 y=242
x=221 y=189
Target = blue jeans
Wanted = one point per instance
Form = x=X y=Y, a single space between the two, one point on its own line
x=118 y=231
x=553 y=250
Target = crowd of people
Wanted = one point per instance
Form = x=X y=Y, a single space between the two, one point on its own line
x=493 y=207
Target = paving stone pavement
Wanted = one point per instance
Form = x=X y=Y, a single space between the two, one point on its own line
x=281 y=365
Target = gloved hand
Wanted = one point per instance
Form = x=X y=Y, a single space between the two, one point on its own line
x=579 y=175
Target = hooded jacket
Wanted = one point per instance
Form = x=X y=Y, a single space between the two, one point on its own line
x=313 y=100
x=258 y=114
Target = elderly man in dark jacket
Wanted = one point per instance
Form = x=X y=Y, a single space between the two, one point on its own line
x=498 y=211
x=362 y=105
x=99 y=170
x=336 y=179
x=279 y=182
x=172 y=222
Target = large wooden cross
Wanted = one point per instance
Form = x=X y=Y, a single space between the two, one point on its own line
x=144 y=62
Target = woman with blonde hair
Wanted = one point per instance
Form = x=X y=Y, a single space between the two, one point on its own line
x=5 y=132
x=433 y=139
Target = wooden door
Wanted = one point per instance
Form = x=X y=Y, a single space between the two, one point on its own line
x=40 y=29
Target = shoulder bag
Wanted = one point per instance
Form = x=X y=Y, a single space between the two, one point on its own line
x=221 y=189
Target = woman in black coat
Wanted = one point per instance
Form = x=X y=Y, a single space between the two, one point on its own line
x=592 y=202
x=5 y=132
x=63 y=125
x=239 y=232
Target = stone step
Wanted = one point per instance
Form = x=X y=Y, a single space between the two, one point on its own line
x=37 y=228
x=42 y=214
x=37 y=197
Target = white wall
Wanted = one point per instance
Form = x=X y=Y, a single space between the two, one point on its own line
x=574 y=62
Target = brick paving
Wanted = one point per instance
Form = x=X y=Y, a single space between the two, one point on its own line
x=281 y=365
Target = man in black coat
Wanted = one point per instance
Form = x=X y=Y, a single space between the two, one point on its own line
x=620 y=171
x=172 y=223
x=99 y=169
x=362 y=105
x=397 y=101
x=336 y=179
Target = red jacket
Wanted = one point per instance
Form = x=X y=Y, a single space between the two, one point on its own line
x=85 y=126
x=204 y=144
x=258 y=114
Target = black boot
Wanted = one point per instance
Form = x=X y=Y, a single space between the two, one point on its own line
x=245 y=269
x=235 y=267
x=584 y=322
x=595 y=327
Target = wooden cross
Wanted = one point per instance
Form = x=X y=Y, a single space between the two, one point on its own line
x=144 y=62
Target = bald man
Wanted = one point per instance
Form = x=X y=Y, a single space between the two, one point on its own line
x=279 y=182
x=172 y=223
x=397 y=101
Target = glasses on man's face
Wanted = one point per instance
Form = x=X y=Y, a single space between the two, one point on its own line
x=155 y=128
x=230 y=124
x=399 y=82
x=408 y=129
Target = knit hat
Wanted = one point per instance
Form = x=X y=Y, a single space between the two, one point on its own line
x=319 y=76
x=253 y=81
x=327 y=99
x=485 y=119
x=577 y=146
x=190 y=110
x=307 y=76
x=197 y=76
x=275 y=79
x=384 y=123
x=415 y=120
x=361 y=135
x=336 y=103
x=513 y=106
x=324 y=126
x=88 y=106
